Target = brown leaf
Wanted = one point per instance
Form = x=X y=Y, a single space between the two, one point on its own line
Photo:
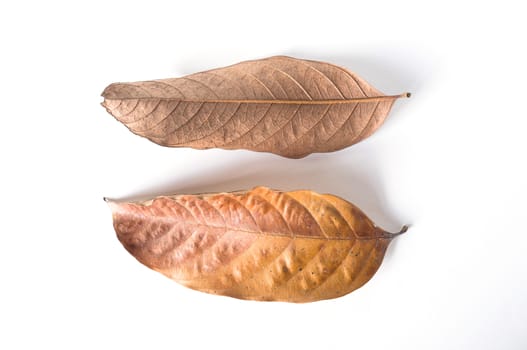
x=282 y=105
x=260 y=244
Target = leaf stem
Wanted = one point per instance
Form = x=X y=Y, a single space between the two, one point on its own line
x=391 y=235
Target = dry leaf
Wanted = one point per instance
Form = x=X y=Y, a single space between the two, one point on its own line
x=260 y=244
x=282 y=105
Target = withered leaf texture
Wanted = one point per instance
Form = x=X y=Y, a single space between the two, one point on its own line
x=260 y=244
x=287 y=106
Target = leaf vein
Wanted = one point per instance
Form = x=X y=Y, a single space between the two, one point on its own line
x=167 y=84
x=324 y=75
x=161 y=121
x=296 y=82
x=251 y=129
x=359 y=137
x=280 y=128
x=288 y=145
x=339 y=128
x=219 y=127
x=261 y=83
x=201 y=83
x=340 y=264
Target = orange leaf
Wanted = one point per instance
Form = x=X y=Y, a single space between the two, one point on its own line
x=260 y=244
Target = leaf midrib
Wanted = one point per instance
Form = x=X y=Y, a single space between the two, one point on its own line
x=285 y=102
x=265 y=233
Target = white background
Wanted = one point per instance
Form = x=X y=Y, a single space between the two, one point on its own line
x=450 y=161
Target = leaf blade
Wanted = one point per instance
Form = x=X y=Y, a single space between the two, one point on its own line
x=260 y=244
x=297 y=86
